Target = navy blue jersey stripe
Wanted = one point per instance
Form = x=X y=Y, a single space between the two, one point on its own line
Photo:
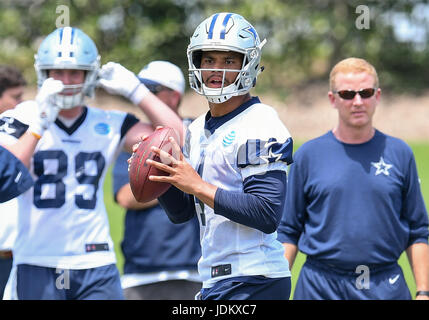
x=256 y=151
x=129 y=121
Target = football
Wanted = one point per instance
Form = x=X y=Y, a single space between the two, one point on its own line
x=143 y=189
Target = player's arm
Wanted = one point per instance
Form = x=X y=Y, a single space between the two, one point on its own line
x=294 y=217
x=260 y=206
x=46 y=113
x=135 y=134
x=125 y=198
x=178 y=201
x=182 y=175
x=418 y=256
x=24 y=148
x=116 y=79
x=291 y=251
x=14 y=176
x=178 y=205
x=414 y=211
x=121 y=187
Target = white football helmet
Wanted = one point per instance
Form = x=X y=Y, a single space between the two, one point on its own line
x=225 y=32
x=68 y=48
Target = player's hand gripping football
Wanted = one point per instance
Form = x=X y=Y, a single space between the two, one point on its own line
x=116 y=79
x=181 y=174
x=47 y=110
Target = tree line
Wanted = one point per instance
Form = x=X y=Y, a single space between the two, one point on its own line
x=305 y=38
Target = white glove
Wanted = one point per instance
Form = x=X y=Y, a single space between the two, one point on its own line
x=116 y=79
x=47 y=111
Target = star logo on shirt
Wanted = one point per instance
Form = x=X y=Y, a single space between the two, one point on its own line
x=6 y=126
x=271 y=157
x=382 y=167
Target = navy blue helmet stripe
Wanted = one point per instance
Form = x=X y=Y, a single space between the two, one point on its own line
x=212 y=24
x=61 y=35
x=253 y=31
x=72 y=35
x=225 y=22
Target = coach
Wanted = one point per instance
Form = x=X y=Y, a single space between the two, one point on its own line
x=354 y=202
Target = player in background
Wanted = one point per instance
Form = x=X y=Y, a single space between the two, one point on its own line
x=63 y=248
x=12 y=85
x=14 y=180
x=355 y=203
x=232 y=174
x=160 y=257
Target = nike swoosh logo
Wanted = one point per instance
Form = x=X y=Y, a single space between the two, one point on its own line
x=394 y=279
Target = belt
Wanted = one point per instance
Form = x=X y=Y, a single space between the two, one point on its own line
x=324 y=265
x=6 y=254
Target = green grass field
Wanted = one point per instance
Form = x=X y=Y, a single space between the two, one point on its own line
x=117 y=214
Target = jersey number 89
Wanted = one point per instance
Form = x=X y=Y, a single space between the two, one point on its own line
x=60 y=188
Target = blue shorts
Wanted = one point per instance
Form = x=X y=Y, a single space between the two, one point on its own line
x=318 y=281
x=5 y=268
x=43 y=283
x=249 y=288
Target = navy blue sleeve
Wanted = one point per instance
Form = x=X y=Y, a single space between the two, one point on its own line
x=414 y=206
x=14 y=176
x=293 y=220
x=179 y=206
x=261 y=204
x=120 y=172
x=129 y=121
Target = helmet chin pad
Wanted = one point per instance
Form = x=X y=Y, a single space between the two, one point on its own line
x=72 y=96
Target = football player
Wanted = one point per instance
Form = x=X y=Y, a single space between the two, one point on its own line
x=14 y=176
x=63 y=248
x=232 y=174
x=160 y=257
x=12 y=85
x=15 y=159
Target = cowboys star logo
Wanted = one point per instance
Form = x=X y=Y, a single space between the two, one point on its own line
x=382 y=167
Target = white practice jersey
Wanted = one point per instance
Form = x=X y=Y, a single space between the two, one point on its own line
x=248 y=144
x=62 y=219
x=8 y=224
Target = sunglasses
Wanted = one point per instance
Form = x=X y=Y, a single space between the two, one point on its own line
x=350 y=94
x=156 y=88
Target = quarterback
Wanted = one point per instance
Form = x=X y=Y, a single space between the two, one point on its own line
x=232 y=173
x=63 y=230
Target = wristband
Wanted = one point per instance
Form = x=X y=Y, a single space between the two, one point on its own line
x=37 y=136
x=36 y=129
x=422 y=293
x=138 y=93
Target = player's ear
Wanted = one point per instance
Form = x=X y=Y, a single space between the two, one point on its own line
x=331 y=97
x=176 y=97
x=378 y=94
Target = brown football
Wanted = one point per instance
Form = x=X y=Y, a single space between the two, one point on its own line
x=143 y=189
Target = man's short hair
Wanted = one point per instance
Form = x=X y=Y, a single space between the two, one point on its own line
x=10 y=77
x=352 y=65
